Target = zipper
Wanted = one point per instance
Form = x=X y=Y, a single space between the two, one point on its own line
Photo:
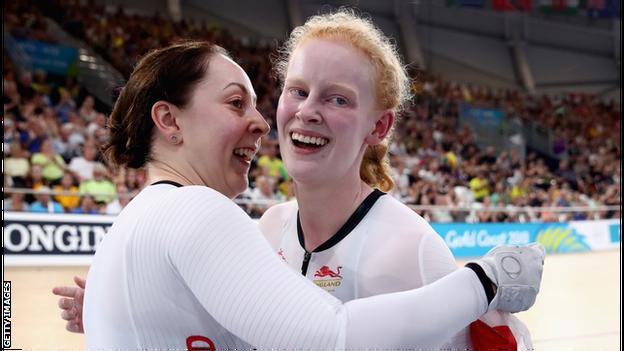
x=306 y=262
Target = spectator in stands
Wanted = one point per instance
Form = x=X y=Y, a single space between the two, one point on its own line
x=444 y=200
x=502 y=164
x=612 y=196
x=100 y=136
x=65 y=105
x=450 y=158
x=501 y=214
x=53 y=165
x=16 y=203
x=271 y=165
x=484 y=215
x=567 y=173
x=68 y=142
x=400 y=175
x=500 y=194
x=79 y=123
x=74 y=88
x=17 y=165
x=69 y=202
x=263 y=196
x=102 y=189
x=122 y=199
x=24 y=84
x=479 y=184
x=98 y=123
x=547 y=215
x=488 y=158
x=87 y=206
x=11 y=134
x=11 y=95
x=32 y=130
x=87 y=109
x=287 y=189
x=41 y=85
x=35 y=178
x=521 y=188
x=82 y=166
x=134 y=179
x=50 y=121
x=45 y=203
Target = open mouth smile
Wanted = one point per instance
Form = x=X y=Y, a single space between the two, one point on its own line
x=308 y=142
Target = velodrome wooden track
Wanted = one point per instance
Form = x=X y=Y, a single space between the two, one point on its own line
x=578 y=307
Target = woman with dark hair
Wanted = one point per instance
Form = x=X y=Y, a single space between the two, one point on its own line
x=183 y=264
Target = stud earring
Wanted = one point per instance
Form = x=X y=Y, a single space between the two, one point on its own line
x=175 y=139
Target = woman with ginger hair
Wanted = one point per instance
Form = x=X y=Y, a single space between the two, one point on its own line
x=343 y=85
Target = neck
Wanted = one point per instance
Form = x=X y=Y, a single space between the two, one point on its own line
x=324 y=208
x=163 y=170
x=168 y=164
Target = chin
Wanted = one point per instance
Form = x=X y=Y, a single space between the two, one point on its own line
x=306 y=173
x=238 y=188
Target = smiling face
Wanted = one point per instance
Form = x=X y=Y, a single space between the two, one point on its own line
x=221 y=128
x=326 y=111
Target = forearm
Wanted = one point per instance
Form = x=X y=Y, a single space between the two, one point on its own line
x=416 y=319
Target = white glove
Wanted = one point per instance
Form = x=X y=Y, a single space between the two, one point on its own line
x=517 y=274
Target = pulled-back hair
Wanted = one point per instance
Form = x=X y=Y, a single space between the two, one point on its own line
x=392 y=85
x=168 y=74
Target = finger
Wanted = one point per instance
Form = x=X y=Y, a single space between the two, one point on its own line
x=73 y=327
x=67 y=291
x=80 y=282
x=65 y=303
x=68 y=315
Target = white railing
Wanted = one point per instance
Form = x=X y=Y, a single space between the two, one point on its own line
x=555 y=209
x=418 y=208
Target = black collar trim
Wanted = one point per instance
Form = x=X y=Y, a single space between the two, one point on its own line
x=170 y=182
x=346 y=228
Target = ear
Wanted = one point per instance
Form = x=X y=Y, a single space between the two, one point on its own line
x=381 y=129
x=163 y=115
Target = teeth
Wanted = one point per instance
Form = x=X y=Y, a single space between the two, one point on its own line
x=248 y=154
x=309 y=140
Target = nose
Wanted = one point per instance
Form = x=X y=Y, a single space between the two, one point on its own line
x=258 y=124
x=308 y=112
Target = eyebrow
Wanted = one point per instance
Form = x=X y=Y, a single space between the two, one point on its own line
x=254 y=98
x=342 y=87
x=329 y=85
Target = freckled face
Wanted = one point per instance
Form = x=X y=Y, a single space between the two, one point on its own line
x=326 y=110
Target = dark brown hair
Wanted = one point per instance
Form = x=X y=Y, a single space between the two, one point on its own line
x=168 y=74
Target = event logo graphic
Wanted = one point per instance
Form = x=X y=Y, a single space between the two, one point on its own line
x=334 y=281
x=558 y=239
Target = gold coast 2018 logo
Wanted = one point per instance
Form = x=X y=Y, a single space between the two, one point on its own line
x=327 y=278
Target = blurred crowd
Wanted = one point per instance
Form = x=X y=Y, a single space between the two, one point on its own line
x=438 y=162
x=52 y=137
x=53 y=132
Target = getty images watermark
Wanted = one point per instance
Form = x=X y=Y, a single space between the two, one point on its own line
x=6 y=314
